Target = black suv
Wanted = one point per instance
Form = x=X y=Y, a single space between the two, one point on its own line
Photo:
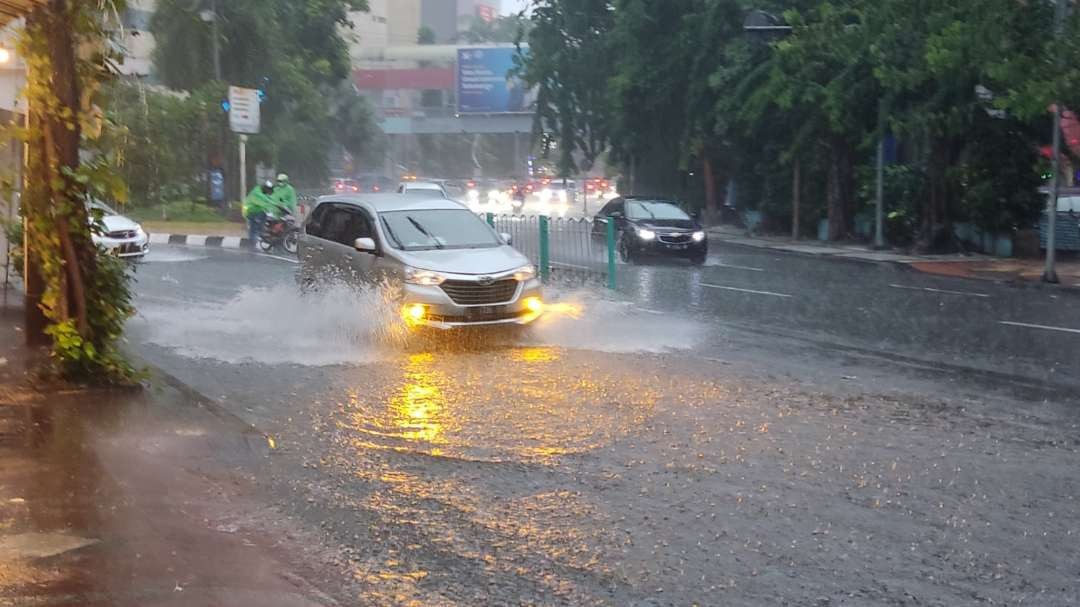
x=652 y=226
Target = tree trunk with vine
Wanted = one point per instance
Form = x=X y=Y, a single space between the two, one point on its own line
x=86 y=299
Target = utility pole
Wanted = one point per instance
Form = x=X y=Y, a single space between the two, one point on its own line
x=796 y=197
x=1050 y=273
x=879 y=186
x=215 y=42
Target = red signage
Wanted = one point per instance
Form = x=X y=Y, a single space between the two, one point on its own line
x=486 y=12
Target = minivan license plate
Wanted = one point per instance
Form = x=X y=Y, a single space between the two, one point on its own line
x=482 y=311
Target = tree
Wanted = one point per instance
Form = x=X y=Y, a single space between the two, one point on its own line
x=85 y=298
x=502 y=30
x=426 y=36
x=356 y=128
x=292 y=49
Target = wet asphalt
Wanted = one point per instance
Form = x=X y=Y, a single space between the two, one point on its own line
x=767 y=429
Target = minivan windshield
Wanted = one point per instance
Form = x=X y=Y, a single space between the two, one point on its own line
x=651 y=209
x=437 y=229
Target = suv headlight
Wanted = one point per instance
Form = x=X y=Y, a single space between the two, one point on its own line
x=525 y=273
x=699 y=236
x=426 y=278
x=646 y=234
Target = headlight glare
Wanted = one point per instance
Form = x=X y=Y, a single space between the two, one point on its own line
x=525 y=273
x=646 y=234
x=699 y=236
x=426 y=278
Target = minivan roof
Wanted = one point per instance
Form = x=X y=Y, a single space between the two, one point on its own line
x=382 y=203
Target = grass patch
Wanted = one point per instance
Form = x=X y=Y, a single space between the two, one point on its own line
x=179 y=211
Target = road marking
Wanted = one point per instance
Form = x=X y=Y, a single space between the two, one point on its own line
x=945 y=291
x=769 y=293
x=196 y=241
x=569 y=265
x=231 y=242
x=159 y=238
x=725 y=265
x=1042 y=327
x=278 y=257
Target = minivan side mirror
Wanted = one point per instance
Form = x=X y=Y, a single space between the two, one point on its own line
x=364 y=245
x=507 y=238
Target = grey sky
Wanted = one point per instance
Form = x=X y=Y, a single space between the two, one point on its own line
x=513 y=6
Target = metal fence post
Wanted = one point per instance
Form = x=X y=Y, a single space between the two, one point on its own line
x=545 y=251
x=491 y=219
x=611 y=280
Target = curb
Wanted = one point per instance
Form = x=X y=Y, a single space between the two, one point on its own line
x=904 y=262
x=194 y=240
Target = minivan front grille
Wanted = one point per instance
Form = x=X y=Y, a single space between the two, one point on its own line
x=469 y=293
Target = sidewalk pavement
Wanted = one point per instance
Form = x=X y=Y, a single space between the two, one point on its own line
x=137 y=498
x=957 y=265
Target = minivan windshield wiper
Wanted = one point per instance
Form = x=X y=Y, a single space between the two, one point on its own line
x=420 y=228
x=390 y=233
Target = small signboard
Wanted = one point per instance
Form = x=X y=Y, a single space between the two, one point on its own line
x=244 y=114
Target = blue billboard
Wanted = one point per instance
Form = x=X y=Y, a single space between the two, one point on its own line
x=485 y=84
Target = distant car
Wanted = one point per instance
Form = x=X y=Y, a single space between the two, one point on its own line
x=119 y=235
x=343 y=185
x=652 y=227
x=422 y=187
x=375 y=184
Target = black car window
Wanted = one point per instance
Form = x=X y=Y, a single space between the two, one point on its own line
x=617 y=206
x=317 y=220
x=345 y=224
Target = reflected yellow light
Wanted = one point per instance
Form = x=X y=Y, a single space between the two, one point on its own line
x=535 y=355
x=419 y=403
x=564 y=309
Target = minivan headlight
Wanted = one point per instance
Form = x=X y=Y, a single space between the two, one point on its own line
x=699 y=236
x=525 y=273
x=646 y=234
x=426 y=278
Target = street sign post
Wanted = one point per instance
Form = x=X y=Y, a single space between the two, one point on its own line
x=244 y=116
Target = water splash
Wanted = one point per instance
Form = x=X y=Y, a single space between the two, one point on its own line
x=279 y=325
x=348 y=325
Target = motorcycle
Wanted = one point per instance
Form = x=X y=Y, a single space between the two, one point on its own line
x=280 y=232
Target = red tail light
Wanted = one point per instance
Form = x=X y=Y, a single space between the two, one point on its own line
x=472 y=184
x=375 y=188
x=356 y=188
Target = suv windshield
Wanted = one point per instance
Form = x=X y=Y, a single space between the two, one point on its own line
x=650 y=209
x=437 y=229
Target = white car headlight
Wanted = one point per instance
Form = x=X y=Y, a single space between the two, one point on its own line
x=426 y=278
x=645 y=234
x=474 y=194
x=525 y=273
x=699 y=236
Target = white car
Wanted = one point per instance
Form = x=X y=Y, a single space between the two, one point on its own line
x=120 y=236
x=423 y=187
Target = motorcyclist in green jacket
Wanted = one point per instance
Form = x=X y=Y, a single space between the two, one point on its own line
x=257 y=205
x=284 y=194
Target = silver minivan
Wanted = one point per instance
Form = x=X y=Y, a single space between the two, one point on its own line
x=454 y=270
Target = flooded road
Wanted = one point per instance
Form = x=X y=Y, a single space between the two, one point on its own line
x=624 y=457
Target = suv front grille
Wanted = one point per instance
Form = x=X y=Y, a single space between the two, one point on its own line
x=467 y=293
x=122 y=234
